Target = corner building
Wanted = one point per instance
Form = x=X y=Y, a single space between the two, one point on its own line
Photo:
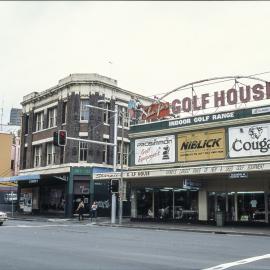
x=52 y=179
x=195 y=168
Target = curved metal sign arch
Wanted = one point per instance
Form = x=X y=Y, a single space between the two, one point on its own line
x=211 y=79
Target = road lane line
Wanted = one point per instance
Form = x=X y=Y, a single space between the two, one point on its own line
x=244 y=261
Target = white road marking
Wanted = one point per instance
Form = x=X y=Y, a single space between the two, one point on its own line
x=48 y=225
x=244 y=261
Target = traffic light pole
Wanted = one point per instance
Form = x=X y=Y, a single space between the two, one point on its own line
x=121 y=186
x=113 y=208
x=114 y=144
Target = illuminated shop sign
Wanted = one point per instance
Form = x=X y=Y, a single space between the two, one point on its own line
x=249 y=140
x=155 y=150
x=201 y=145
x=156 y=111
x=232 y=96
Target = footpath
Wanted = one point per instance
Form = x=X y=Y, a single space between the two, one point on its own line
x=126 y=223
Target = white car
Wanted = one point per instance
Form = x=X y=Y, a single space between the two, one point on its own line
x=3 y=217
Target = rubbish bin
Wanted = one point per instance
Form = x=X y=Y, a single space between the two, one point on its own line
x=220 y=219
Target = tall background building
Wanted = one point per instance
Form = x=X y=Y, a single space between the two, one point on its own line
x=15 y=117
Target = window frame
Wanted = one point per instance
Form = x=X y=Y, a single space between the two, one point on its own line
x=51 y=155
x=85 y=150
x=39 y=121
x=52 y=117
x=37 y=155
x=84 y=111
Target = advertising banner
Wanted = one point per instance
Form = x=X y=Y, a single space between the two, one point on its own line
x=155 y=150
x=245 y=141
x=201 y=145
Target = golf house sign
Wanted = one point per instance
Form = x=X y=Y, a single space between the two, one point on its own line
x=244 y=94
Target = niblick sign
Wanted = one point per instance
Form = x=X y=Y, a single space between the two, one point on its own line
x=221 y=98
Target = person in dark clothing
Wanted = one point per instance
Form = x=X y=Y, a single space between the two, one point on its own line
x=80 y=210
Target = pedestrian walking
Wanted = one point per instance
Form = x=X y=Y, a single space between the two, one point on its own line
x=80 y=209
x=94 y=211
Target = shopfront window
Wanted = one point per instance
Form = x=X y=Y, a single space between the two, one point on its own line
x=167 y=203
x=251 y=206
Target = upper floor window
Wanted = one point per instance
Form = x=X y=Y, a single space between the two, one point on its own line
x=83 y=151
x=26 y=124
x=106 y=113
x=84 y=112
x=105 y=152
x=124 y=155
x=123 y=116
x=37 y=156
x=50 y=154
x=64 y=112
x=52 y=114
x=39 y=117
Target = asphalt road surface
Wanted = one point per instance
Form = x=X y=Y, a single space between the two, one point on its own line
x=69 y=245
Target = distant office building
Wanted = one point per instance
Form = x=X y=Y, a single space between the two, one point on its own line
x=15 y=117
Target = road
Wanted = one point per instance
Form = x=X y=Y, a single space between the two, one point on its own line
x=77 y=246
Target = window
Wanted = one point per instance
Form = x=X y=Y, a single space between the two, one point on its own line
x=84 y=112
x=52 y=113
x=105 y=152
x=123 y=112
x=26 y=125
x=39 y=121
x=24 y=158
x=64 y=112
x=37 y=156
x=106 y=113
x=50 y=154
x=83 y=151
x=125 y=152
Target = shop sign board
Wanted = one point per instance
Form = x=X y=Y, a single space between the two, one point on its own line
x=201 y=145
x=155 y=150
x=252 y=140
x=238 y=175
x=232 y=96
x=196 y=170
x=156 y=111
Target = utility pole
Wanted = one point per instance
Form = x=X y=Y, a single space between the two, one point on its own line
x=121 y=186
x=113 y=209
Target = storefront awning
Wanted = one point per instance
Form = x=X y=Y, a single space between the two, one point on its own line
x=20 y=178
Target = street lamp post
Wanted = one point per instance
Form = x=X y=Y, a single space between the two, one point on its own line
x=121 y=187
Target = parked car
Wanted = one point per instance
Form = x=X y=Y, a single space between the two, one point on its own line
x=3 y=217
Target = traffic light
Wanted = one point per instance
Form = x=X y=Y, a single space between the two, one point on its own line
x=114 y=186
x=55 y=138
x=62 y=137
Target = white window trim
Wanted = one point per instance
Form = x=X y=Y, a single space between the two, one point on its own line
x=40 y=154
x=79 y=154
x=82 y=99
x=43 y=130
x=53 y=153
x=54 y=110
x=46 y=107
x=41 y=114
